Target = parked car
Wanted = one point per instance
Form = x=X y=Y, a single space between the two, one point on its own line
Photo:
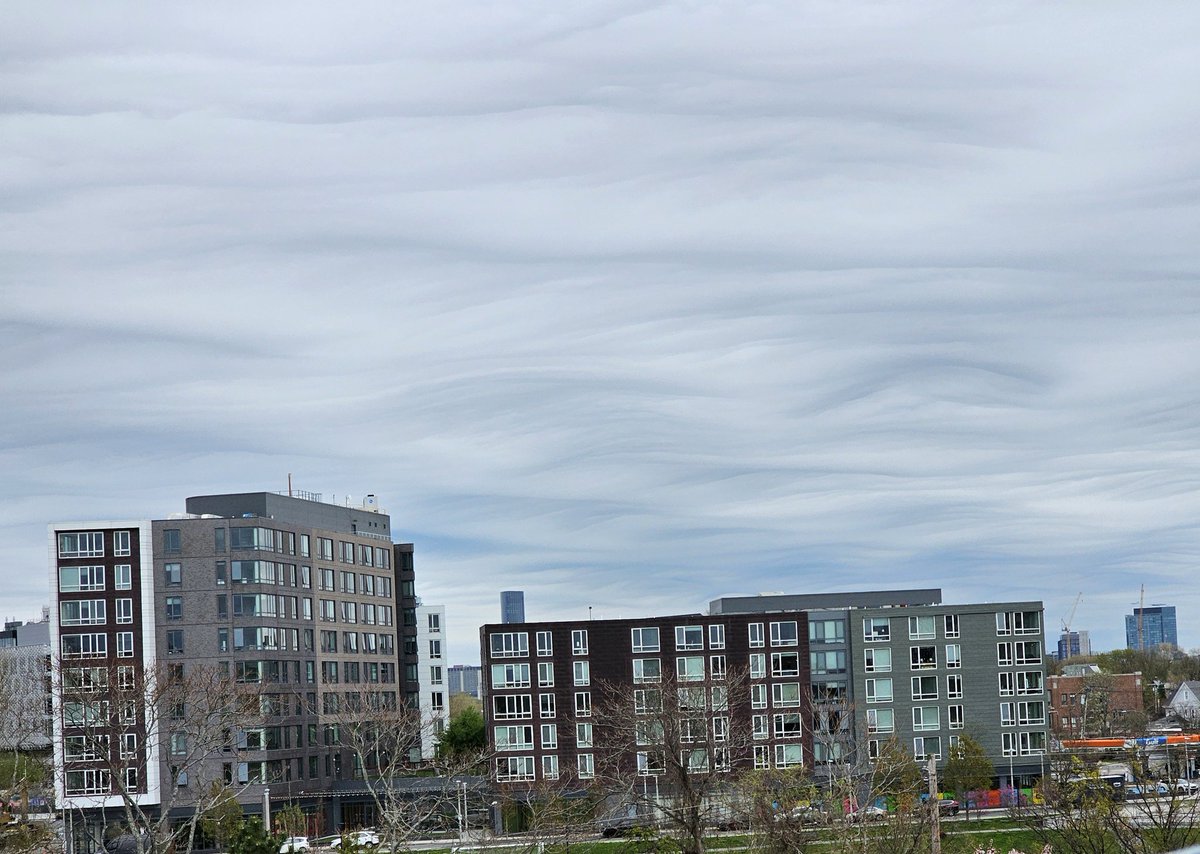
x=948 y=806
x=622 y=825
x=127 y=843
x=870 y=812
x=1148 y=790
x=1187 y=787
x=362 y=838
x=294 y=845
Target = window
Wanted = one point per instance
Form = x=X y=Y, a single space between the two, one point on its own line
x=647 y=701
x=435 y=649
x=90 y=781
x=550 y=767
x=1031 y=713
x=785 y=695
x=647 y=670
x=89 y=544
x=955 y=716
x=756 y=635
x=508 y=644
x=547 y=706
x=173 y=573
x=123 y=577
x=762 y=756
x=1008 y=714
x=172 y=540
x=879 y=690
x=877 y=629
x=510 y=706
x=689 y=637
x=922 y=657
x=953 y=655
x=174 y=607
x=785 y=633
x=1021 y=622
x=84 y=646
x=78 y=579
x=583 y=704
x=579 y=642
x=121 y=544
x=510 y=676
x=549 y=737
x=716 y=665
x=787 y=725
x=583 y=675
x=927 y=747
x=545 y=674
x=690 y=668
x=758 y=665
x=823 y=661
x=125 y=643
x=926 y=718
x=826 y=631
x=922 y=628
x=924 y=687
x=716 y=636
x=545 y=644
x=434 y=621
x=514 y=737
x=1028 y=682
x=1028 y=652
x=1008 y=743
x=880 y=720
x=82 y=612
x=788 y=663
x=954 y=687
x=877 y=659
x=587 y=768
x=1032 y=743
x=509 y=768
x=758 y=696
x=583 y=735
x=349 y=612
x=1004 y=654
x=645 y=639
x=950 y=624
x=436 y=675
x=787 y=755
x=1004 y=623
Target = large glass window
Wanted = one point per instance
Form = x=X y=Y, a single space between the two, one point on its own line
x=922 y=657
x=82 y=612
x=690 y=668
x=785 y=633
x=827 y=631
x=509 y=644
x=689 y=637
x=877 y=659
x=647 y=670
x=922 y=628
x=645 y=639
x=72 y=579
x=877 y=629
x=879 y=690
x=81 y=544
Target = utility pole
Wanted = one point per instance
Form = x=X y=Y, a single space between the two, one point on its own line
x=935 y=840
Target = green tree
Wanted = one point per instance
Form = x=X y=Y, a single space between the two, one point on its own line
x=968 y=769
x=223 y=818
x=252 y=838
x=465 y=736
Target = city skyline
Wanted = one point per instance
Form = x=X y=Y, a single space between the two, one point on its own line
x=678 y=301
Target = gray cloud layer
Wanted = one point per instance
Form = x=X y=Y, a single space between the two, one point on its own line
x=628 y=305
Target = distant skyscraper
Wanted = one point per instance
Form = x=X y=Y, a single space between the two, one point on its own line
x=1072 y=644
x=512 y=606
x=1158 y=627
x=463 y=679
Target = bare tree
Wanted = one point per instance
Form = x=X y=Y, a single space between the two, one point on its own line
x=384 y=738
x=123 y=727
x=674 y=750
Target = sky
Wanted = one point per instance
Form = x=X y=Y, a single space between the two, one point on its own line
x=628 y=305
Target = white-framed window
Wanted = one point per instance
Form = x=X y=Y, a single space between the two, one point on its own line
x=1029 y=682
x=88 y=781
x=689 y=637
x=1032 y=743
x=123 y=577
x=514 y=768
x=922 y=657
x=82 y=612
x=877 y=659
x=953 y=655
x=927 y=747
x=789 y=755
x=435 y=649
x=547 y=706
x=787 y=725
x=922 y=628
x=758 y=665
x=586 y=765
x=716 y=636
x=651 y=763
x=545 y=674
x=692 y=699
x=1004 y=654
x=508 y=644
x=755 y=631
x=579 y=642
x=583 y=673
x=720 y=727
x=955 y=716
x=124 y=608
x=690 y=668
x=1004 y=623
x=121 y=544
x=514 y=737
x=84 y=646
x=550 y=767
x=880 y=720
x=1008 y=744
x=1028 y=652
x=785 y=633
x=762 y=756
x=506 y=707
x=695 y=760
x=1008 y=714
x=926 y=718
x=785 y=695
x=81 y=544
x=759 y=727
x=758 y=696
x=647 y=701
x=720 y=698
x=583 y=704
x=1026 y=622
x=645 y=639
x=950 y=625
x=510 y=676
x=80 y=579
x=129 y=745
x=873 y=749
x=1031 y=713
x=583 y=735
x=954 y=687
x=647 y=670
x=716 y=666
x=877 y=629
x=545 y=644
x=924 y=687
x=879 y=690
x=785 y=663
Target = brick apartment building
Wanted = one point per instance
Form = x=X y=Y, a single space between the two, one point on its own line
x=1092 y=704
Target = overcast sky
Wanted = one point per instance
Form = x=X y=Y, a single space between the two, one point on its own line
x=625 y=304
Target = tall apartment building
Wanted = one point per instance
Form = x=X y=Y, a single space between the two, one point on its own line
x=463 y=679
x=301 y=599
x=431 y=667
x=924 y=672
x=512 y=606
x=542 y=678
x=1072 y=644
x=1151 y=627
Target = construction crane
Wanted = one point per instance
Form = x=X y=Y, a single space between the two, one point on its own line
x=1141 y=611
x=1066 y=627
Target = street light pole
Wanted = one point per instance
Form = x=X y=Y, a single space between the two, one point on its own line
x=936 y=824
x=267 y=809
